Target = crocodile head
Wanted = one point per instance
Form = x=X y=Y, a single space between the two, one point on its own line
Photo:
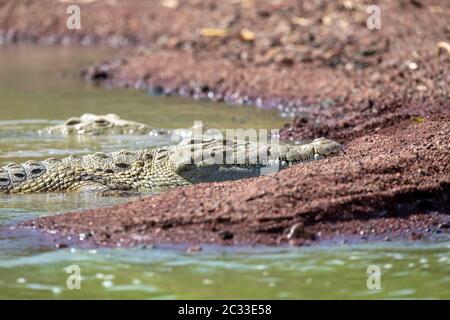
x=91 y=124
x=221 y=159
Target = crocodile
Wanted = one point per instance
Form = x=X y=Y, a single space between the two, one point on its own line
x=92 y=124
x=109 y=124
x=151 y=170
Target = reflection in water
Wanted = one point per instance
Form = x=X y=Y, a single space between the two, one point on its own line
x=18 y=206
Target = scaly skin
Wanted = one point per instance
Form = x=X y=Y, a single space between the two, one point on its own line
x=148 y=170
x=91 y=124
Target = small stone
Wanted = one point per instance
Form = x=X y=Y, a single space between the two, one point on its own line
x=172 y=4
x=247 y=35
x=412 y=65
x=226 y=235
x=296 y=231
x=443 y=47
x=301 y=21
x=421 y=88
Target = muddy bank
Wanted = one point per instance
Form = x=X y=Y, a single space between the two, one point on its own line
x=386 y=186
x=326 y=103
x=316 y=61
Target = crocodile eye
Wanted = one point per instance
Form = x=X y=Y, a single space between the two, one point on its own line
x=72 y=122
x=122 y=165
x=101 y=122
x=19 y=175
x=4 y=182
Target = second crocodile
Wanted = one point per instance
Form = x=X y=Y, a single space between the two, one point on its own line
x=92 y=124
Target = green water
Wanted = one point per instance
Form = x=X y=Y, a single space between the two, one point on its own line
x=39 y=86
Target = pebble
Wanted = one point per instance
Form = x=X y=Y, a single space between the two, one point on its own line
x=421 y=88
x=226 y=235
x=295 y=231
x=412 y=66
x=298 y=231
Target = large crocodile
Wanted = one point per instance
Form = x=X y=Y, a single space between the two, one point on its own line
x=191 y=161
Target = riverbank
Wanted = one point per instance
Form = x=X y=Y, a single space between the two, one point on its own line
x=383 y=93
x=392 y=185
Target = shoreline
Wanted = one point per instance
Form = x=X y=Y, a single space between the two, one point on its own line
x=426 y=226
x=370 y=90
x=400 y=195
